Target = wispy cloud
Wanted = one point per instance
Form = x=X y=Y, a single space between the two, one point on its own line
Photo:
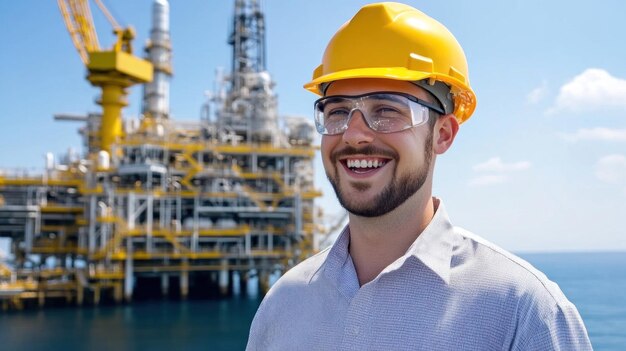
x=599 y=133
x=611 y=169
x=591 y=90
x=497 y=171
x=495 y=164
x=537 y=94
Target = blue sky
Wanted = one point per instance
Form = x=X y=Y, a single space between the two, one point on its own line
x=541 y=165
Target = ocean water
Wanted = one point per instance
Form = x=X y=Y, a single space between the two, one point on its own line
x=146 y=325
x=595 y=282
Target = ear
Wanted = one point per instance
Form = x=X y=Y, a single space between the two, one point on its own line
x=445 y=131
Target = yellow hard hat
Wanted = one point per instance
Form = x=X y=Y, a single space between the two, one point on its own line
x=396 y=41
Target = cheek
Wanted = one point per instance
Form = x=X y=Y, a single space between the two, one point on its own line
x=412 y=148
x=326 y=148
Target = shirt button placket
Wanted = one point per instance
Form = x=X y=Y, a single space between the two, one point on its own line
x=356 y=318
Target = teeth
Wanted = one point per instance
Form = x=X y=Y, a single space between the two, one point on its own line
x=365 y=163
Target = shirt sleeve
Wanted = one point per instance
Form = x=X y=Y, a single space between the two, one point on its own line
x=561 y=329
x=257 y=339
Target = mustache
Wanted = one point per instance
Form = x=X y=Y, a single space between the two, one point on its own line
x=366 y=150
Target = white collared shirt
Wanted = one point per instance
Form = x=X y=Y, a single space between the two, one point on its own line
x=452 y=290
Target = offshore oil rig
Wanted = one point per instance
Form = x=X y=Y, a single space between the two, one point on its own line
x=155 y=206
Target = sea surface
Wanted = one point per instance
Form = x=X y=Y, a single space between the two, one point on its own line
x=595 y=282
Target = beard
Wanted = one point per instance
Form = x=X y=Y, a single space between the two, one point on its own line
x=394 y=194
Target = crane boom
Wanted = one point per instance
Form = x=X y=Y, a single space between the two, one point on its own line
x=111 y=70
x=79 y=23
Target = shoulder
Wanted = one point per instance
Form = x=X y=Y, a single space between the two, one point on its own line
x=303 y=272
x=543 y=315
x=286 y=305
x=509 y=269
x=291 y=286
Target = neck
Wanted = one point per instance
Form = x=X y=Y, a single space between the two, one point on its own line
x=377 y=242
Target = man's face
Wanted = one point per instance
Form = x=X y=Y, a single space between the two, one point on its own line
x=373 y=173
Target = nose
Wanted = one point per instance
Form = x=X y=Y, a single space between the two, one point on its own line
x=358 y=132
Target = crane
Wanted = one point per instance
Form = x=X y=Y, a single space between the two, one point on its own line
x=112 y=70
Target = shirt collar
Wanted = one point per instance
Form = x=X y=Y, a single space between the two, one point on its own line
x=433 y=247
x=338 y=256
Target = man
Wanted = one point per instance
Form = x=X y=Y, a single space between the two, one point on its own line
x=394 y=85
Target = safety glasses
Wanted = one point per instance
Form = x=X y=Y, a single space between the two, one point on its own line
x=384 y=112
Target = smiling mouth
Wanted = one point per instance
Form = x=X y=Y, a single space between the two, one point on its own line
x=363 y=165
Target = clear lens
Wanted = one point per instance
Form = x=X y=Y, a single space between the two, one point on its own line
x=384 y=112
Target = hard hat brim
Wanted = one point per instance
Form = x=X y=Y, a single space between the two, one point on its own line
x=396 y=73
x=465 y=100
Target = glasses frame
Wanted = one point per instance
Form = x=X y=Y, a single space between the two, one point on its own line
x=322 y=129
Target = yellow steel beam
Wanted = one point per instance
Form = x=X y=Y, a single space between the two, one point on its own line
x=4 y=181
x=105 y=275
x=108 y=219
x=61 y=209
x=143 y=255
x=92 y=191
x=5 y=271
x=53 y=272
x=278 y=178
x=210 y=232
x=18 y=286
x=169 y=236
x=264 y=149
x=188 y=268
x=171 y=194
x=81 y=221
x=192 y=170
